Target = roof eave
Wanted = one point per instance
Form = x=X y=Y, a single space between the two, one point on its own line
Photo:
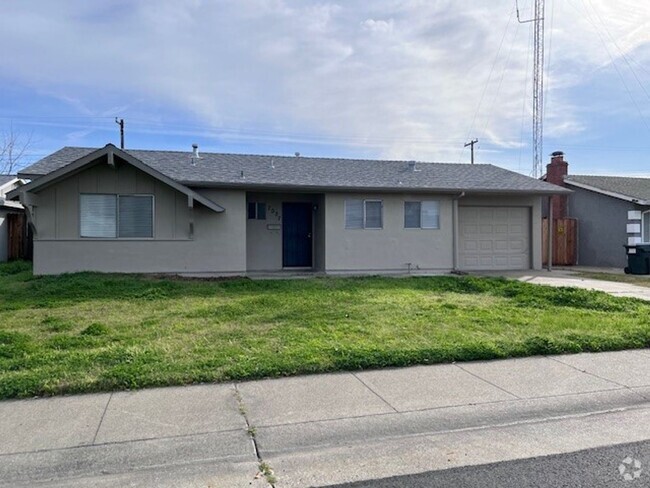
x=17 y=179
x=377 y=189
x=620 y=196
x=111 y=150
x=10 y=205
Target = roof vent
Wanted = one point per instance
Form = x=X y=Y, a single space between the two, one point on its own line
x=195 y=153
x=413 y=166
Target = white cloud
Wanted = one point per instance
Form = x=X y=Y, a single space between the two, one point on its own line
x=404 y=78
x=380 y=26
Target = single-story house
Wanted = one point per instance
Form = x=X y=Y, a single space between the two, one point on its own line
x=7 y=208
x=116 y=210
x=612 y=211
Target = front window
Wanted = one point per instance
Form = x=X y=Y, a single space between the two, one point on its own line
x=645 y=227
x=364 y=214
x=422 y=215
x=116 y=216
x=256 y=211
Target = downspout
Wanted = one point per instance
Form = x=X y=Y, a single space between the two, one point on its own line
x=454 y=225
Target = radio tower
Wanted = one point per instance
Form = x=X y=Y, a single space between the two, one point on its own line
x=538 y=83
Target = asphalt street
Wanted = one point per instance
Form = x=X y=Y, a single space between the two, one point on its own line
x=624 y=465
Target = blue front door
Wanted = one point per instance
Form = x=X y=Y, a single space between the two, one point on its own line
x=296 y=234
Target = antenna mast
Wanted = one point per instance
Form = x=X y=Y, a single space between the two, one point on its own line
x=538 y=84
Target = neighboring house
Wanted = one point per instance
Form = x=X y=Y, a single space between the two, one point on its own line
x=113 y=210
x=612 y=211
x=7 y=184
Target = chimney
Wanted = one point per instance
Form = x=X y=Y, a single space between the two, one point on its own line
x=556 y=170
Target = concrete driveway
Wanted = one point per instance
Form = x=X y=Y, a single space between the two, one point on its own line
x=564 y=277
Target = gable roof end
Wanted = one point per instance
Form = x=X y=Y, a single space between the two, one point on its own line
x=111 y=151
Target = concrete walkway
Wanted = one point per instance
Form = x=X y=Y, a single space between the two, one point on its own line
x=327 y=429
x=566 y=277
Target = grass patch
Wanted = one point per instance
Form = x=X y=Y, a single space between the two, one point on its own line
x=97 y=332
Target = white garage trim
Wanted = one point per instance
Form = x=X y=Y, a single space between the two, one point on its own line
x=494 y=238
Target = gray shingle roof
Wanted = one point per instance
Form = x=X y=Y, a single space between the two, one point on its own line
x=247 y=170
x=632 y=187
x=6 y=179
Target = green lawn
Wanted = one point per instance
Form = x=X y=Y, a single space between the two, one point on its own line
x=93 y=332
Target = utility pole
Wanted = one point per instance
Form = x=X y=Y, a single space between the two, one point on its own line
x=538 y=84
x=120 y=122
x=471 y=144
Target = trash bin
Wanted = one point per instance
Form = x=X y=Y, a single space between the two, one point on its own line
x=638 y=259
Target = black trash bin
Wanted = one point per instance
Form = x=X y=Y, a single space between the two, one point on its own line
x=638 y=259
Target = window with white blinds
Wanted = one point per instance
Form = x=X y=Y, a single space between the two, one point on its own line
x=430 y=214
x=373 y=215
x=364 y=214
x=422 y=215
x=354 y=214
x=111 y=216
x=98 y=215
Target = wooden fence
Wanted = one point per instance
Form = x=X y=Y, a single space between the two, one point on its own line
x=565 y=241
x=20 y=237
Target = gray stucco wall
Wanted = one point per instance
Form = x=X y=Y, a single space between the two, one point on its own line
x=602 y=222
x=229 y=243
x=215 y=247
x=389 y=249
x=264 y=237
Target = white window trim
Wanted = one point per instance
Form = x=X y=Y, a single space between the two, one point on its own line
x=117 y=217
x=363 y=216
x=421 y=219
x=644 y=238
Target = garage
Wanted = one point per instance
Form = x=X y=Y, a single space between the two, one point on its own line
x=494 y=238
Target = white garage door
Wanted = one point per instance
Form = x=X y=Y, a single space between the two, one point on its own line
x=494 y=238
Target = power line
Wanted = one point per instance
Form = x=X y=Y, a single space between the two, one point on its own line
x=140 y=126
x=500 y=83
x=616 y=68
x=23 y=116
x=494 y=62
x=623 y=55
x=550 y=53
x=524 y=99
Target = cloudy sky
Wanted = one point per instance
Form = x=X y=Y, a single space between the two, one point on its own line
x=411 y=79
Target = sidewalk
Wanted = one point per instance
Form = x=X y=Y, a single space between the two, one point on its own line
x=326 y=429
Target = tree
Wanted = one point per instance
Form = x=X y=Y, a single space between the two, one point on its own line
x=13 y=148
